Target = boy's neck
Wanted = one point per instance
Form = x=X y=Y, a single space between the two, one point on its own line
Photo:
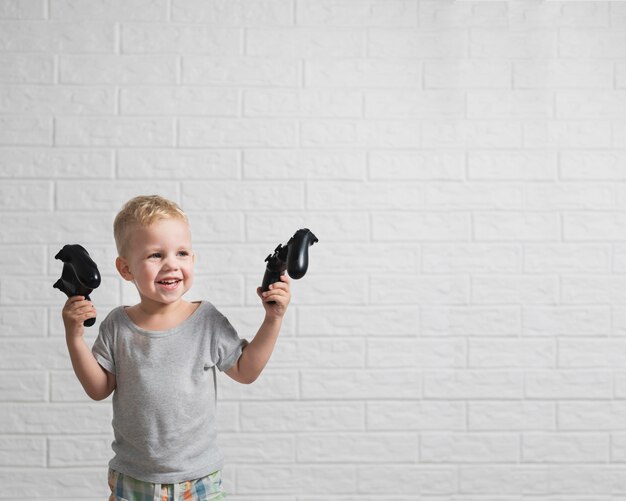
x=158 y=316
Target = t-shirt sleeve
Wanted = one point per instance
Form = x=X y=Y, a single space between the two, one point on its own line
x=228 y=346
x=102 y=349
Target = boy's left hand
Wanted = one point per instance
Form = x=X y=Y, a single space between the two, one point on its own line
x=276 y=300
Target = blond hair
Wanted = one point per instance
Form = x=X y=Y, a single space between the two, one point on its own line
x=143 y=211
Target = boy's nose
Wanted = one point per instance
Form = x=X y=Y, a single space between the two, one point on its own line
x=170 y=263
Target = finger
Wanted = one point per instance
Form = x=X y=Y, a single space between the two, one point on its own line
x=74 y=299
x=279 y=285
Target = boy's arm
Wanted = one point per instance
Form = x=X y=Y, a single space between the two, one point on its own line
x=97 y=382
x=257 y=353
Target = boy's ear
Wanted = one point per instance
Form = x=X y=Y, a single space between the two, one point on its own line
x=122 y=267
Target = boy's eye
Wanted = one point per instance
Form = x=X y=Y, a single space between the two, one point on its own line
x=154 y=255
x=183 y=253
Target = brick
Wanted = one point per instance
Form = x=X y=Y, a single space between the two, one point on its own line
x=258 y=480
x=22 y=10
x=233 y=13
x=408 y=353
x=413 y=44
x=581 y=320
x=22 y=452
x=224 y=132
x=512 y=353
x=15 y=321
x=573 y=134
x=594 y=226
x=475 y=134
x=57 y=37
x=415 y=105
x=427 y=165
x=254 y=448
x=357 y=448
x=567 y=258
x=114 y=131
x=77 y=483
x=563 y=74
x=35 y=418
x=26 y=68
x=469 y=448
x=356 y=13
x=224 y=195
x=25 y=131
x=359 y=134
x=364 y=195
x=504 y=43
x=240 y=71
x=273 y=384
x=470 y=321
x=467 y=74
x=362 y=73
x=512 y=415
x=522 y=289
x=301 y=164
x=477 y=258
x=592 y=290
x=177 y=164
x=301 y=416
x=512 y=165
x=592 y=165
x=511 y=104
x=358 y=321
x=515 y=226
x=436 y=15
x=103 y=195
x=25 y=196
x=79 y=451
x=407 y=479
x=421 y=289
x=301 y=103
x=179 y=101
x=332 y=226
x=317 y=353
x=565 y=448
x=116 y=69
x=567 y=385
x=604 y=354
x=153 y=38
x=360 y=384
x=305 y=43
x=21 y=386
x=420 y=226
x=56 y=163
x=116 y=10
x=473 y=384
x=416 y=415
x=469 y=196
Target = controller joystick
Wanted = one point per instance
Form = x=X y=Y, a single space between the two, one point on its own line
x=292 y=257
x=80 y=274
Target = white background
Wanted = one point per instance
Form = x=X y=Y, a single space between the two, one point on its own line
x=461 y=333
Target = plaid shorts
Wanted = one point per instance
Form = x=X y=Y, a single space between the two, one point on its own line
x=125 y=488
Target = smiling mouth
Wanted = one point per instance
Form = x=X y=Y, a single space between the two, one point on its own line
x=169 y=284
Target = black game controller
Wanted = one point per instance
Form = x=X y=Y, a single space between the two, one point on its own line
x=292 y=257
x=80 y=274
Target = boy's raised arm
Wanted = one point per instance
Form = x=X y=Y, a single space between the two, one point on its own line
x=97 y=382
x=257 y=353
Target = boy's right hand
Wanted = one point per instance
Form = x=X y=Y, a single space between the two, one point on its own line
x=76 y=310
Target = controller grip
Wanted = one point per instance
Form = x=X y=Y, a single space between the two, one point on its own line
x=298 y=258
x=80 y=274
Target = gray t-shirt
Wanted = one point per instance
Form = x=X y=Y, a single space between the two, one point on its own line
x=164 y=403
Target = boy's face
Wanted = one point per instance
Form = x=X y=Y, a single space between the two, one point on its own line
x=159 y=261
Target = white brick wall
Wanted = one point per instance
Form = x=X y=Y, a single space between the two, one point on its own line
x=461 y=334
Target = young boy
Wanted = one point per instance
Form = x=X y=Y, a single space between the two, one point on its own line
x=159 y=358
